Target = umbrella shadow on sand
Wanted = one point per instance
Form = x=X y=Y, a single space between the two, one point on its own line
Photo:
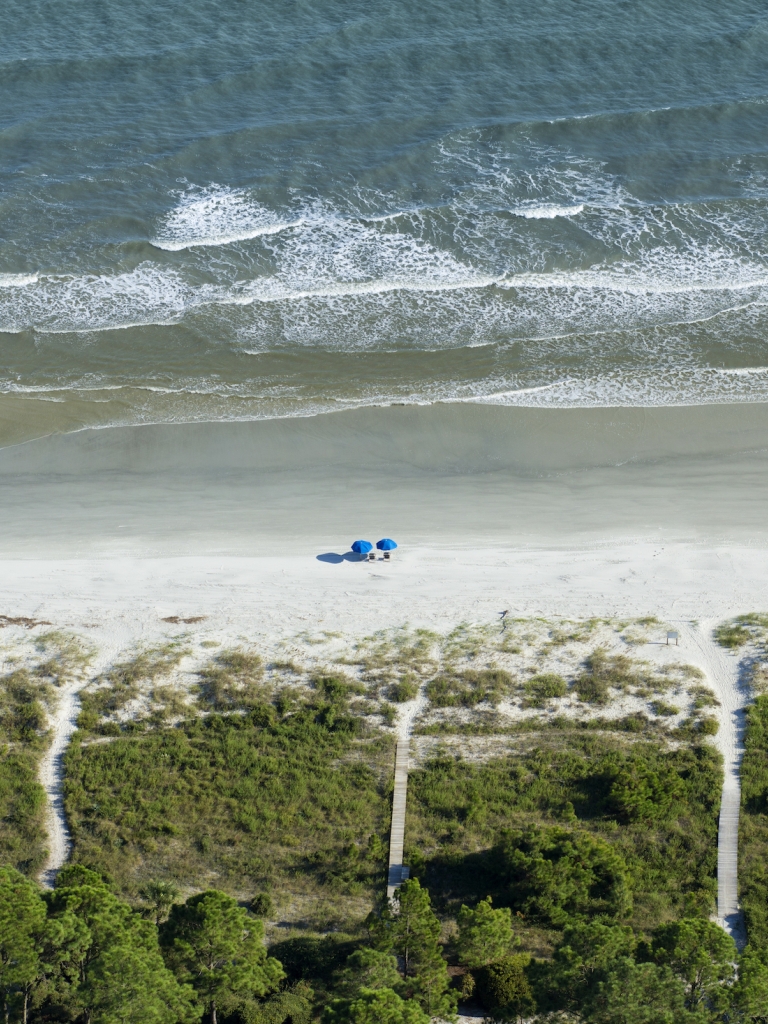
x=334 y=558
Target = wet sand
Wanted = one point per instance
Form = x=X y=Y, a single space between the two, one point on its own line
x=455 y=475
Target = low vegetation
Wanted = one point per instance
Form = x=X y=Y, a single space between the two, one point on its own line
x=291 y=796
x=28 y=694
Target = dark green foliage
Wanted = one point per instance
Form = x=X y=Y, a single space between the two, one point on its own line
x=110 y=968
x=646 y=793
x=22 y=925
x=218 y=948
x=257 y=798
x=336 y=689
x=160 y=897
x=22 y=811
x=542 y=688
x=22 y=715
x=465 y=689
x=313 y=959
x=485 y=934
x=262 y=905
x=292 y=1006
x=504 y=989
x=753 y=827
x=582 y=959
x=366 y=969
x=701 y=955
x=749 y=996
x=660 y=707
x=382 y=1006
x=459 y=810
x=25 y=696
x=411 y=931
x=555 y=875
x=635 y=993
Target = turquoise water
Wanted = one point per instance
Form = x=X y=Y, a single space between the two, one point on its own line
x=232 y=211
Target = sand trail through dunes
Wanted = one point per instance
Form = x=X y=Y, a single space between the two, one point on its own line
x=63 y=724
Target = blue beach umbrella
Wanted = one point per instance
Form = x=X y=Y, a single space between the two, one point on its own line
x=362 y=547
x=387 y=544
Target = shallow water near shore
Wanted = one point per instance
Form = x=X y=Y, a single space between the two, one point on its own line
x=279 y=210
x=460 y=474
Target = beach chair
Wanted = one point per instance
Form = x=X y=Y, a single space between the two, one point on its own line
x=387 y=556
x=371 y=556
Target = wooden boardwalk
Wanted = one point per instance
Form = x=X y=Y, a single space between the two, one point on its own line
x=396 y=872
x=728 y=911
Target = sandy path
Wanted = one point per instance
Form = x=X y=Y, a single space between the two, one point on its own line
x=52 y=778
x=722 y=670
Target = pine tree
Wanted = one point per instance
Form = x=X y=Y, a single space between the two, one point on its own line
x=219 y=948
x=485 y=934
x=411 y=930
x=382 y=1006
x=22 y=919
x=115 y=972
x=701 y=954
x=366 y=969
x=749 y=996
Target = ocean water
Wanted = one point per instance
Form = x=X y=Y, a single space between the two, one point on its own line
x=251 y=211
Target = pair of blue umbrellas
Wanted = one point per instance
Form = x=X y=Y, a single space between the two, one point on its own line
x=362 y=547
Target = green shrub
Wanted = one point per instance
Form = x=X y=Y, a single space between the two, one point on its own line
x=737 y=632
x=458 y=811
x=469 y=688
x=603 y=672
x=557 y=874
x=707 y=727
x=262 y=905
x=663 y=709
x=404 y=690
x=732 y=635
x=338 y=689
x=645 y=794
x=232 y=681
x=544 y=687
x=753 y=825
x=504 y=989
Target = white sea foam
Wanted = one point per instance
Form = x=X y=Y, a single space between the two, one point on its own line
x=17 y=280
x=548 y=212
x=59 y=304
x=217 y=216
